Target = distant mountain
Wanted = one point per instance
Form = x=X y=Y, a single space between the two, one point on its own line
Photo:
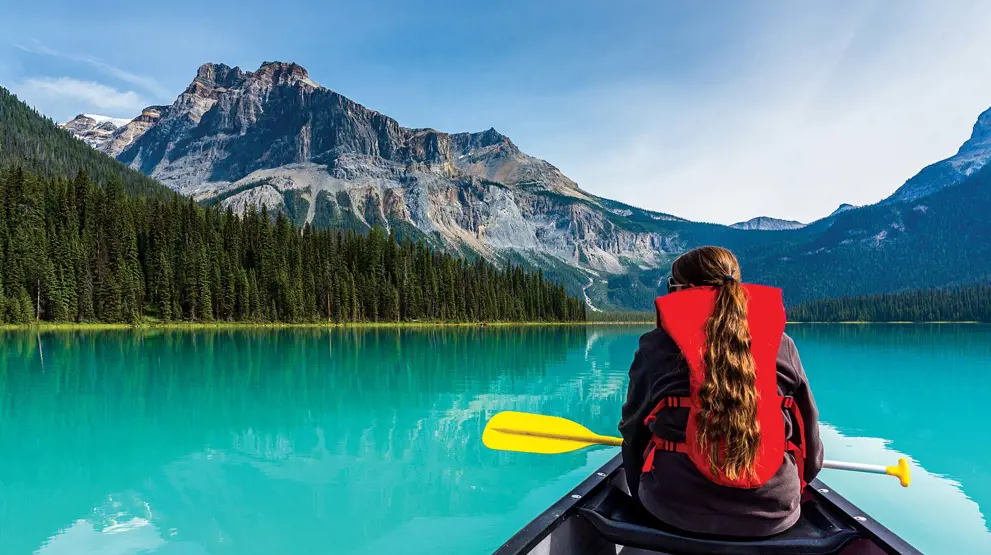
x=842 y=208
x=941 y=240
x=30 y=140
x=94 y=130
x=971 y=157
x=764 y=223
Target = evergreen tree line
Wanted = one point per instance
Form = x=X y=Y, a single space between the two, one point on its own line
x=29 y=139
x=970 y=303
x=631 y=316
x=75 y=251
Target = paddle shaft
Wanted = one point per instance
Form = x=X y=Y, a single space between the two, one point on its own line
x=617 y=441
x=592 y=438
x=856 y=467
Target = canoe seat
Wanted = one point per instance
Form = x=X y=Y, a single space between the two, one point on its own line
x=621 y=520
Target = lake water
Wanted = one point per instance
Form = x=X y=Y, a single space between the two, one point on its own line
x=368 y=441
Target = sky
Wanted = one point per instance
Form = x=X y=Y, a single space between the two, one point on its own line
x=716 y=111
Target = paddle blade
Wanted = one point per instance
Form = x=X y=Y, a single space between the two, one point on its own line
x=536 y=433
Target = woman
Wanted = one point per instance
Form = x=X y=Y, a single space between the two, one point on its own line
x=713 y=438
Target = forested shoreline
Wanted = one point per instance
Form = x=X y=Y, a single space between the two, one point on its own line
x=77 y=251
x=961 y=304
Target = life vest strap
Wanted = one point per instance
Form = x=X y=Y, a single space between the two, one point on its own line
x=797 y=449
x=668 y=403
x=658 y=444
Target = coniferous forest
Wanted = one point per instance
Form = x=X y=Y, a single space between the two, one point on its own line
x=111 y=245
x=962 y=304
x=76 y=251
x=28 y=139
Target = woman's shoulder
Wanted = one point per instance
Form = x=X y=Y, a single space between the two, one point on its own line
x=655 y=339
x=657 y=347
x=788 y=344
x=790 y=370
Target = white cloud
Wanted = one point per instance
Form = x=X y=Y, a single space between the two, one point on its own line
x=149 y=84
x=48 y=93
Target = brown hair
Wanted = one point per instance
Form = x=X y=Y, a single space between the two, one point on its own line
x=728 y=396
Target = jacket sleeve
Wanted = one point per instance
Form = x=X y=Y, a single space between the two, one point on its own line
x=807 y=407
x=631 y=427
x=656 y=353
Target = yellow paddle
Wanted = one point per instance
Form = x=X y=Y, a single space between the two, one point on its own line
x=550 y=435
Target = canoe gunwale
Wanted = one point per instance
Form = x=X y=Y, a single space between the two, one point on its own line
x=539 y=528
x=870 y=528
x=535 y=531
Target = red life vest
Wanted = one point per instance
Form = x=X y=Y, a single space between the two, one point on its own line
x=683 y=315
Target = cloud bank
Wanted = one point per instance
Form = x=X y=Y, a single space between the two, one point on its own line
x=84 y=96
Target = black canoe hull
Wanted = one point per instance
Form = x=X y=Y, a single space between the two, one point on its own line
x=566 y=527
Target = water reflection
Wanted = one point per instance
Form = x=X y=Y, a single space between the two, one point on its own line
x=276 y=441
x=922 y=388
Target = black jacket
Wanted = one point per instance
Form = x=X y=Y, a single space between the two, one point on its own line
x=675 y=491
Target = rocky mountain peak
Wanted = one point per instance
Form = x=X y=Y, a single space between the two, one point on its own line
x=93 y=129
x=766 y=223
x=212 y=76
x=283 y=71
x=468 y=143
x=842 y=208
x=973 y=155
x=980 y=135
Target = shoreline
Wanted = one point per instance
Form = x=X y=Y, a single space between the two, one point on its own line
x=901 y=322
x=192 y=326
x=196 y=326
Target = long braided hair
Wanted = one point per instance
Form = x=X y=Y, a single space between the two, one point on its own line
x=728 y=396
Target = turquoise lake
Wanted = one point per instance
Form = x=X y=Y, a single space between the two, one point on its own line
x=369 y=441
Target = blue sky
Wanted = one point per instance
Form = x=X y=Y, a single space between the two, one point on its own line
x=713 y=111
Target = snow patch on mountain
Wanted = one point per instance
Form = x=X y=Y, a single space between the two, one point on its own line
x=104 y=119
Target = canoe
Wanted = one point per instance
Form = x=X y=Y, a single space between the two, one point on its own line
x=599 y=517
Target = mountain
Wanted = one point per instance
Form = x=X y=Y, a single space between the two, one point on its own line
x=276 y=138
x=764 y=223
x=938 y=241
x=970 y=158
x=842 y=208
x=94 y=130
x=77 y=250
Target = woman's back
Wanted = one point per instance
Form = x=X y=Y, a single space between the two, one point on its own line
x=716 y=403
x=675 y=491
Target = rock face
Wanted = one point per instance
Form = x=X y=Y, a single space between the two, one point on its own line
x=764 y=223
x=94 y=130
x=971 y=157
x=275 y=137
x=127 y=134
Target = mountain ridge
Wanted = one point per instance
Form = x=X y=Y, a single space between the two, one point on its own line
x=767 y=223
x=972 y=155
